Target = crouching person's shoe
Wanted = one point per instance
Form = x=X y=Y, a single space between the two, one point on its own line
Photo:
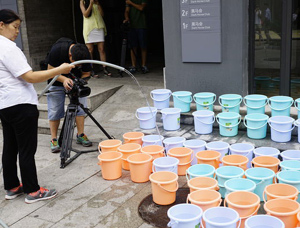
x=83 y=139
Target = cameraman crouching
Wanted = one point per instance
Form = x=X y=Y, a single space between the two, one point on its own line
x=66 y=51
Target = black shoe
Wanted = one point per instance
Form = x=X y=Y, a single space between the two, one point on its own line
x=145 y=70
x=132 y=69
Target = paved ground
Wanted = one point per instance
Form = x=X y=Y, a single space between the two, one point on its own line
x=85 y=199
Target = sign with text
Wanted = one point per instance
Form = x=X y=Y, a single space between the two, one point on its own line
x=201 y=30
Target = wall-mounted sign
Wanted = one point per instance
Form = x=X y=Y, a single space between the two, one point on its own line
x=201 y=30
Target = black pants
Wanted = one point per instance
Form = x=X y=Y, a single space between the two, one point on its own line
x=20 y=124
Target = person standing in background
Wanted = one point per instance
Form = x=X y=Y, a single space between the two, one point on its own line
x=267 y=22
x=94 y=29
x=258 y=16
x=135 y=15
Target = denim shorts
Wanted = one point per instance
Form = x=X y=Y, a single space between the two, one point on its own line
x=56 y=103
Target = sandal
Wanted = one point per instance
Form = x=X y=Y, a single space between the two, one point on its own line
x=106 y=71
x=94 y=75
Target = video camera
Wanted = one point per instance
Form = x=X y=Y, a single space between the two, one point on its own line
x=79 y=89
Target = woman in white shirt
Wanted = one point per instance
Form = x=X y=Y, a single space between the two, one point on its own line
x=19 y=114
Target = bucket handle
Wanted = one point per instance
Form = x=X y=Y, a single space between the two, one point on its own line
x=214 y=118
x=230 y=106
x=231 y=125
x=296 y=105
x=280 y=130
x=172 y=223
x=189 y=161
x=253 y=213
x=277 y=109
x=172 y=191
x=188 y=102
x=245 y=102
x=172 y=170
x=187 y=175
x=237 y=227
x=205 y=104
x=153 y=115
x=99 y=149
x=162 y=99
x=253 y=128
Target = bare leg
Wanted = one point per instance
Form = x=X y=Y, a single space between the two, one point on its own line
x=80 y=124
x=133 y=57
x=144 y=56
x=54 y=124
x=102 y=53
x=91 y=49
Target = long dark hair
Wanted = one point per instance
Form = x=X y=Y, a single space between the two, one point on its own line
x=8 y=16
x=86 y=5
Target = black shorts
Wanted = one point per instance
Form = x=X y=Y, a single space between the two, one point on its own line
x=137 y=38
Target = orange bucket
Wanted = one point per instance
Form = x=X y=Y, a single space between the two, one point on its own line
x=282 y=191
x=140 y=167
x=155 y=151
x=109 y=145
x=127 y=150
x=183 y=154
x=111 y=165
x=284 y=209
x=133 y=137
x=298 y=217
x=203 y=183
x=209 y=157
x=245 y=203
x=164 y=185
x=205 y=198
x=235 y=160
x=266 y=162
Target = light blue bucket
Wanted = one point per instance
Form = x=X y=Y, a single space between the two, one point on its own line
x=204 y=100
x=228 y=123
x=263 y=221
x=255 y=103
x=182 y=100
x=262 y=177
x=256 y=125
x=266 y=151
x=281 y=128
x=221 y=217
x=296 y=104
x=200 y=170
x=297 y=123
x=196 y=145
x=184 y=215
x=290 y=155
x=290 y=165
x=149 y=140
x=230 y=102
x=203 y=121
x=173 y=142
x=280 y=105
x=171 y=118
x=245 y=149
x=165 y=164
x=220 y=146
x=147 y=117
x=161 y=98
x=290 y=177
x=239 y=184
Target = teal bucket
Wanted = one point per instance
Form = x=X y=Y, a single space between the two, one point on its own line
x=221 y=217
x=230 y=102
x=290 y=165
x=255 y=103
x=262 y=82
x=262 y=177
x=200 y=170
x=161 y=98
x=281 y=128
x=256 y=125
x=290 y=177
x=239 y=184
x=182 y=100
x=204 y=100
x=228 y=123
x=296 y=104
x=280 y=105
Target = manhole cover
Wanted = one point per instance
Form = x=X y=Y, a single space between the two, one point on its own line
x=156 y=215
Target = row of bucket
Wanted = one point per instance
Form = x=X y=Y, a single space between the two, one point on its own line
x=255 y=103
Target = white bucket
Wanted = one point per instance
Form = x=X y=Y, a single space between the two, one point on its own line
x=161 y=98
x=152 y=140
x=165 y=164
x=221 y=217
x=281 y=128
x=290 y=155
x=147 y=117
x=173 y=142
x=220 y=146
x=245 y=149
x=266 y=151
x=263 y=221
x=196 y=145
x=203 y=121
x=171 y=118
x=297 y=123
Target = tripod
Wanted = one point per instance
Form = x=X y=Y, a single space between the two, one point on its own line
x=66 y=135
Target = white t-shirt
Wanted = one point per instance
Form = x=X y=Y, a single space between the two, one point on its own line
x=13 y=89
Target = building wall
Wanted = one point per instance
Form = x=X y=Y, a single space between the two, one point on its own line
x=229 y=76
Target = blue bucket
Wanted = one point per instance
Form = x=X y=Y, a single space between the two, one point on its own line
x=149 y=140
x=228 y=123
x=281 y=128
x=182 y=100
x=165 y=164
x=147 y=117
x=220 y=146
x=255 y=103
x=290 y=155
x=263 y=221
x=296 y=103
x=256 y=125
x=290 y=165
x=221 y=217
x=204 y=100
x=196 y=145
x=173 y=142
x=171 y=118
x=203 y=121
x=297 y=123
x=290 y=177
x=239 y=184
x=161 y=98
x=230 y=102
x=262 y=177
x=245 y=149
x=266 y=151
x=280 y=105
x=200 y=170
x=262 y=82
x=184 y=215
